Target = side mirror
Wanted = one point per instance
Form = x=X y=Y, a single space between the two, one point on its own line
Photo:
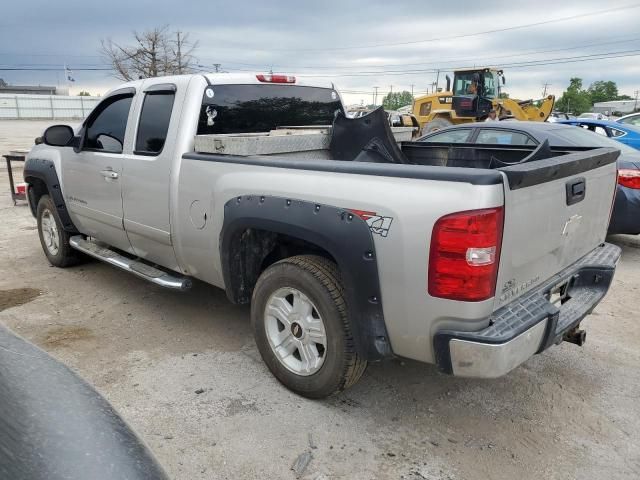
x=58 y=135
x=448 y=83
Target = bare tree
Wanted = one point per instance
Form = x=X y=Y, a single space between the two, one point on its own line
x=154 y=53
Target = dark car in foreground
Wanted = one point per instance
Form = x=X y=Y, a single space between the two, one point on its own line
x=626 y=211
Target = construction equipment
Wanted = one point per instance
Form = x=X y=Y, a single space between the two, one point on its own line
x=475 y=93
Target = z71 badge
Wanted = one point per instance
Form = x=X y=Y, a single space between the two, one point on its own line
x=377 y=223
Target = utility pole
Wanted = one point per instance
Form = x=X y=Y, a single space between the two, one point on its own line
x=437 y=78
x=544 y=93
x=179 y=54
x=635 y=107
x=375 y=96
x=412 y=90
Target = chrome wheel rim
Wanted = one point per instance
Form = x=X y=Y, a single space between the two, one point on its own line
x=295 y=331
x=50 y=232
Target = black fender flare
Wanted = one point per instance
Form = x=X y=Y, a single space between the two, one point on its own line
x=45 y=170
x=344 y=235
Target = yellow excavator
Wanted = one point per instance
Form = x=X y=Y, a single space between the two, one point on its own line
x=475 y=93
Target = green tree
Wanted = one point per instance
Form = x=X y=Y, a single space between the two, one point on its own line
x=395 y=100
x=574 y=99
x=84 y=93
x=603 y=91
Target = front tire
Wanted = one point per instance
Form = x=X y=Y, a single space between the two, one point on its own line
x=53 y=238
x=301 y=327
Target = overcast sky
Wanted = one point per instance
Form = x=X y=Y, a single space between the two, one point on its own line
x=354 y=44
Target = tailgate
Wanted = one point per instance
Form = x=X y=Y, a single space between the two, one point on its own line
x=556 y=211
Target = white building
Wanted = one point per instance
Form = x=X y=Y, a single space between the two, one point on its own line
x=622 y=106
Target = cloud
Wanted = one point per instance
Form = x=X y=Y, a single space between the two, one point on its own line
x=308 y=38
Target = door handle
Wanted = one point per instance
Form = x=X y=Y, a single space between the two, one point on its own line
x=576 y=190
x=108 y=173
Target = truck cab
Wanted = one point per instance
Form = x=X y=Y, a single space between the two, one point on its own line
x=474 y=92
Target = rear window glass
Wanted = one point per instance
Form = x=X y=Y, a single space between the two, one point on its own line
x=449 y=136
x=584 y=138
x=633 y=120
x=261 y=108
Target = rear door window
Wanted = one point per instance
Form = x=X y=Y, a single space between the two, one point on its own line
x=495 y=136
x=264 y=107
x=154 y=122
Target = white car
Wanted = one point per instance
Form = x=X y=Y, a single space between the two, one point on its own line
x=631 y=119
x=593 y=116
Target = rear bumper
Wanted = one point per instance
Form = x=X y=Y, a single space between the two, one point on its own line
x=531 y=323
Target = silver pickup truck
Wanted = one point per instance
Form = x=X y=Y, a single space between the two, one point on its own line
x=470 y=257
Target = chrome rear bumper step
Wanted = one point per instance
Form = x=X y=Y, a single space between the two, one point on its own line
x=137 y=267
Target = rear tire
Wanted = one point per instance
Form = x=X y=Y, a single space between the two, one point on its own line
x=301 y=327
x=435 y=125
x=53 y=238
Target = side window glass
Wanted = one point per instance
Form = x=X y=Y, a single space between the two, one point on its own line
x=600 y=131
x=617 y=133
x=154 y=122
x=503 y=137
x=105 y=131
x=451 y=136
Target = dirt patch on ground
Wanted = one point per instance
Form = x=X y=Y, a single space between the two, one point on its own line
x=65 y=335
x=17 y=296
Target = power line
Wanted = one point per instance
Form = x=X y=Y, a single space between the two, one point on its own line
x=426 y=60
x=324 y=67
x=541 y=62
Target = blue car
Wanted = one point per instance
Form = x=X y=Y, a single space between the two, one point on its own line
x=622 y=132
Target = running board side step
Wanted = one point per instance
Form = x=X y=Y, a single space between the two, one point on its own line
x=137 y=267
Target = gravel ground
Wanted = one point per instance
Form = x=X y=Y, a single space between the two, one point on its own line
x=568 y=413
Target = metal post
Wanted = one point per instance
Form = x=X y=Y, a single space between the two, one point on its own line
x=17 y=107
x=82 y=106
x=51 y=103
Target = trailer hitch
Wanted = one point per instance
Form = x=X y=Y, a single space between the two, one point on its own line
x=575 y=335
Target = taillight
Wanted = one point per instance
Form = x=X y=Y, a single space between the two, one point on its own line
x=269 y=78
x=629 y=178
x=464 y=255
